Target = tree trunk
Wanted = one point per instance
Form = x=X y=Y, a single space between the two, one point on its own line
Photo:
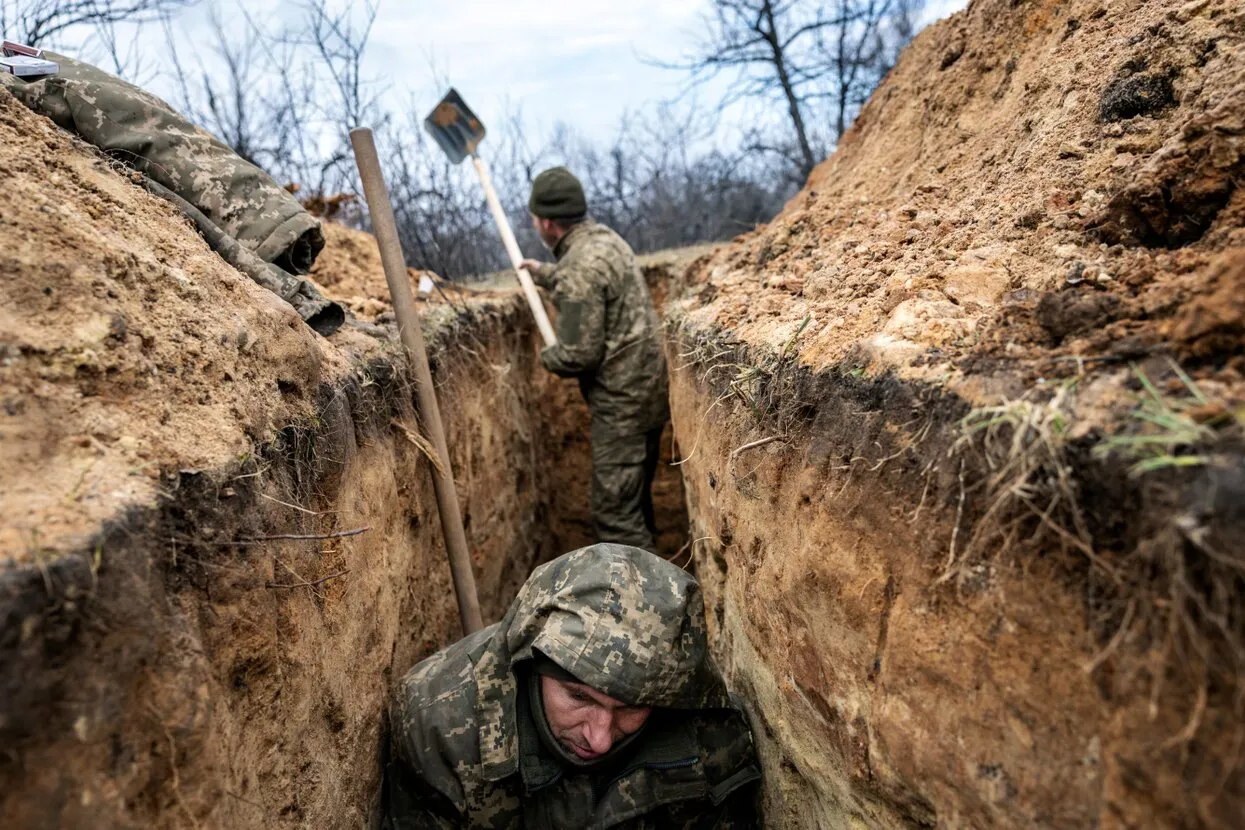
x=807 y=161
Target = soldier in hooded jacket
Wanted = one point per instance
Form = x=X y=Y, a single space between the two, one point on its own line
x=615 y=637
x=609 y=339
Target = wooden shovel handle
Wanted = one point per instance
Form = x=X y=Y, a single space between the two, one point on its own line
x=516 y=256
x=386 y=231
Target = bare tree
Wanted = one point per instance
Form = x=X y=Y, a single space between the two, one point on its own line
x=340 y=38
x=443 y=220
x=125 y=56
x=338 y=41
x=660 y=182
x=232 y=101
x=858 y=55
x=234 y=86
x=285 y=99
x=762 y=42
x=800 y=53
x=37 y=22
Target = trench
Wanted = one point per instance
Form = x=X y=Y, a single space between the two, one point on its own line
x=219 y=544
x=191 y=665
x=186 y=668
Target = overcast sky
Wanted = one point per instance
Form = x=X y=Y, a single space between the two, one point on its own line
x=577 y=61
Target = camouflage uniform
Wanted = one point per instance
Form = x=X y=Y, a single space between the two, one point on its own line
x=609 y=338
x=626 y=623
x=231 y=199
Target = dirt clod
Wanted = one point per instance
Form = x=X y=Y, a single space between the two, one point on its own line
x=1135 y=95
x=1065 y=314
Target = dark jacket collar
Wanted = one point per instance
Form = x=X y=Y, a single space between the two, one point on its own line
x=667 y=741
x=568 y=239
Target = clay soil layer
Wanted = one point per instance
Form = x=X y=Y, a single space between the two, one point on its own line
x=219 y=543
x=962 y=434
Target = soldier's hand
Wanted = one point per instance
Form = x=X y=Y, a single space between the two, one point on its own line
x=532 y=266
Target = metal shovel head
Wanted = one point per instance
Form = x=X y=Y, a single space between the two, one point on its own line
x=455 y=127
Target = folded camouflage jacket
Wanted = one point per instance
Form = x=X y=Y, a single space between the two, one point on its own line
x=238 y=206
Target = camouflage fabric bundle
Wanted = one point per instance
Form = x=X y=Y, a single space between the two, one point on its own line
x=324 y=316
x=230 y=194
x=628 y=624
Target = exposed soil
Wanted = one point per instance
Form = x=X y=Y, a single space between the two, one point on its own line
x=952 y=590
x=350 y=269
x=970 y=535
x=120 y=341
x=1035 y=181
x=164 y=661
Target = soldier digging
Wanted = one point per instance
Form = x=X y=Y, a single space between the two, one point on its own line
x=608 y=339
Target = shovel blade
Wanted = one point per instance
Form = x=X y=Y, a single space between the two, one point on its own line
x=455 y=127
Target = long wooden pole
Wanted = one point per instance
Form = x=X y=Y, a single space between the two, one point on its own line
x=516 y=256
x=391 y=256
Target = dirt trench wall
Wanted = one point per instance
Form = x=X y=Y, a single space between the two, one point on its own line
x=170 y=675
x=890 y=689
x=164 y=660
x=877 y=700
x=218 y=538
x=971 y=546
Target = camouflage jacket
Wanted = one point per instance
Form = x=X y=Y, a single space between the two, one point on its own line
x=146 y=133
x=621 y=620
x=609 y=336
x=252 y=222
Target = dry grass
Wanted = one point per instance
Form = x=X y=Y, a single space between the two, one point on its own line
x=1170 y=431
x=1176 y=599
x=1029 y=489
x=1132 y=519
x=765 y=384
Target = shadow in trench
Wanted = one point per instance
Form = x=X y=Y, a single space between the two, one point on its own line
x=568 y=478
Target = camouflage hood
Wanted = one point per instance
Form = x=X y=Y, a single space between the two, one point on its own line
x=620 y=619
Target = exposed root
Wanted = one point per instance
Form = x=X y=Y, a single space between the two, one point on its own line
x=735 y=453
x=341 y=534
x=176 y=782
x=690 y=547
x=1120 y=634
x=955 y=531
x=925 y=474
x=1186 y=735
x=304 y=583
x=302 y=510
x=1023 y=446
x=424 y=446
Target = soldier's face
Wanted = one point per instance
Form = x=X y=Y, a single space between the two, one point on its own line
x=585 y=721
x=548 y=231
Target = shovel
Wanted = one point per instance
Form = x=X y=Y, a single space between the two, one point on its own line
x=458 y=132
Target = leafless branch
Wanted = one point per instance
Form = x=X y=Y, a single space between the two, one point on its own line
x=38 y=22
x=818 y=59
